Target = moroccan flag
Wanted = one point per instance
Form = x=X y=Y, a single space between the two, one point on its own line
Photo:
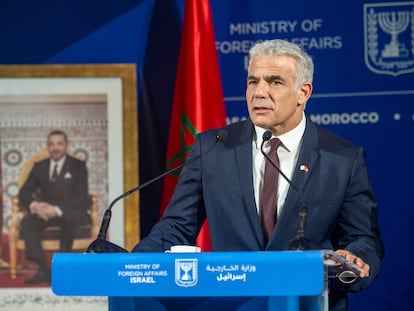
x=198 y=96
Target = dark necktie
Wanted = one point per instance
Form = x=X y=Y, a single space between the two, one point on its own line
x=269 y=193
x=55 y=174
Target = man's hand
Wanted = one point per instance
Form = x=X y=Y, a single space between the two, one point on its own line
x=44 y=210
x=356 y=260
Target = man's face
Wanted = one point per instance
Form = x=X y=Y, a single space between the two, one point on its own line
x=273 y=100
x=57 y=146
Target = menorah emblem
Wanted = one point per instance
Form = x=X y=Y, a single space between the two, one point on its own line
x=186 y=267
x=389 y=37
x=394 y=23
x=186 y=272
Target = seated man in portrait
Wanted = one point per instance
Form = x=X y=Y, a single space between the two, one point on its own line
x=54 y=194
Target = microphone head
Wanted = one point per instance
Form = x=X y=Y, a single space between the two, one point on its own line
x=267 y=135
x=222 y=135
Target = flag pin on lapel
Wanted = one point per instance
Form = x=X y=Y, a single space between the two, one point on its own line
x=304 y=168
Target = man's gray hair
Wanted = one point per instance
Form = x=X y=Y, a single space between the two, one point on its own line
x=304 y=63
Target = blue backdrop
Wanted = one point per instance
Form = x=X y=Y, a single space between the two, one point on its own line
x=363 y=86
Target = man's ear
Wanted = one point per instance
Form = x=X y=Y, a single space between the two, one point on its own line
x=304 y=92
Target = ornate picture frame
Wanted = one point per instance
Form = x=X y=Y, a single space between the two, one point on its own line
x=124 y=120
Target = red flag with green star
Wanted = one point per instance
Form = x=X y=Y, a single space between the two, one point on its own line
x=198 y=96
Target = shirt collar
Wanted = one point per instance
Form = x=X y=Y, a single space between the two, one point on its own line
x=290 y=140
x=60 y=162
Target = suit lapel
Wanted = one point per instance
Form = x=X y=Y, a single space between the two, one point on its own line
x=309 y=155
x=243 y=155
x=65 y=168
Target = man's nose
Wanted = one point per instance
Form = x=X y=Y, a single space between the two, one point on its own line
x=262 y=89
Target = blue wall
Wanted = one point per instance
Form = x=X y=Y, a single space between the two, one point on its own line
x=361 y=95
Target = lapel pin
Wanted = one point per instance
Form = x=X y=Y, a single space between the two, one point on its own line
x=304 y=168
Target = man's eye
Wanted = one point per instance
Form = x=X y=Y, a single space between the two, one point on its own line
x=275 y=82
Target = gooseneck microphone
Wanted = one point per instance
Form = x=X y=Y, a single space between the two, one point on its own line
x=101 y=245
x=300 y=242
x=338 y=266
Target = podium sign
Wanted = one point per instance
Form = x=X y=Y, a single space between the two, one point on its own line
x=288 y=273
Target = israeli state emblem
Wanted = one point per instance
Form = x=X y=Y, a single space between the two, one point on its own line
x=186 y=272
x=389 y=37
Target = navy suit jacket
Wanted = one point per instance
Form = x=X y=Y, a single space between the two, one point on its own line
x=342 y=211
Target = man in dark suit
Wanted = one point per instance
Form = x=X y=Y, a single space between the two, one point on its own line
x=226 y=184
x=54 y=194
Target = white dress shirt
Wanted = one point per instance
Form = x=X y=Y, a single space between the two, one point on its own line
x=59 y=166
x=59 y=163
x=288 y=154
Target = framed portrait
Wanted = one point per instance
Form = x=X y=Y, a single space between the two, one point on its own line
x=96 y=106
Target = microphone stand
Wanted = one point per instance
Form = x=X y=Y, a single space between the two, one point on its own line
x=300 y=242
x=101 y=245
x=336 y=265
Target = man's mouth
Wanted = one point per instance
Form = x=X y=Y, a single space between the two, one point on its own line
x=261 y=109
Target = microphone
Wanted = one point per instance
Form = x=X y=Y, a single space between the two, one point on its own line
x=300 y=242
x=101 y=245
x=338 y=266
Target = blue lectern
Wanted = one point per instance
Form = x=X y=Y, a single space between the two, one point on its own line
x=195 y=281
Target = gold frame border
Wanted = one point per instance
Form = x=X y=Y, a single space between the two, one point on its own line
x=127 y=73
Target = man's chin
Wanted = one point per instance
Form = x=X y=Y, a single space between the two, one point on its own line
x=261 y=122
x=56 y=157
